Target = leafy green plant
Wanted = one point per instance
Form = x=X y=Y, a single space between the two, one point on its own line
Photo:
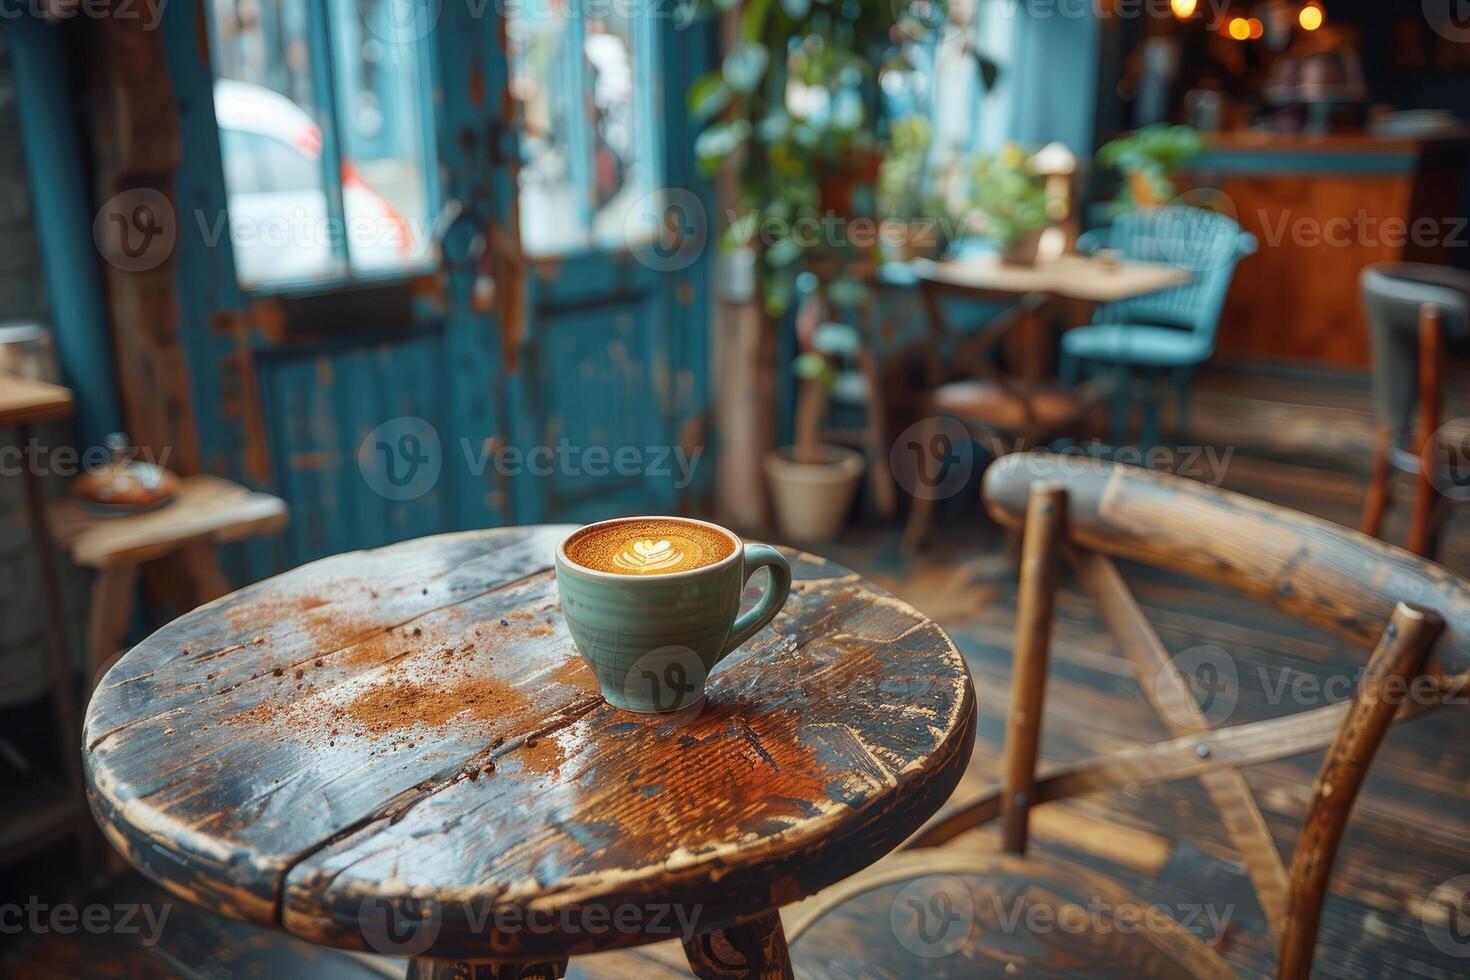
x=901 y=174
x=1009 y=194
x=796 y=104
x=1148 y=158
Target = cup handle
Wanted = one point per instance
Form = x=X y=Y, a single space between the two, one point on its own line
x=750 y=623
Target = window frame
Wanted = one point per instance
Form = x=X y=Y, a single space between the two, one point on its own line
x=324 y=47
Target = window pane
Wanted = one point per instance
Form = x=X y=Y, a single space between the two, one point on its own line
x=265 y=103
x=543 y=79
x=621 y=172
x=586 y=112
x=275 y=73
x=381 y=87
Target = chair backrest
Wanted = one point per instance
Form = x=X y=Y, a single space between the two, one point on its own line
x=1394 y=293
x=1414 y=613
x=1205 y=243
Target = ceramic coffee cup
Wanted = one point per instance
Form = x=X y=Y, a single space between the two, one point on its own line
x=652 y=640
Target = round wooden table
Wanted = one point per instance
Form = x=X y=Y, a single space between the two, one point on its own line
x=401 y=751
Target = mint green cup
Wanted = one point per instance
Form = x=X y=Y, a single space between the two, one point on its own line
x=652 y=640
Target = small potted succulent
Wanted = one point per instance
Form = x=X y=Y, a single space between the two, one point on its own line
x=812 y=482
x=1011 y=198
x=1148 y=158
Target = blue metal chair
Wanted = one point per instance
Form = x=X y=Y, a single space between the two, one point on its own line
x=1167 y=334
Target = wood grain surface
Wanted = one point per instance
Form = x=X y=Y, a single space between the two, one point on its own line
x=409 y=731
x=1320 y=572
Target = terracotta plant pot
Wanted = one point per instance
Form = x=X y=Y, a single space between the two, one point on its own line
x=1022 y=251
x=811 y=499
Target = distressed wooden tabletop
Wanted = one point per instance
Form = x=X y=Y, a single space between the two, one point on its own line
x=413 y=726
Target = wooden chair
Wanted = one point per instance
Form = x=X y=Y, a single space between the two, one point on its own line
x=1411 y=308
x=1415 y=615
x=1006 y=413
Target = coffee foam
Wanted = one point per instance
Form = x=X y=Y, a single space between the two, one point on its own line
x=648 y=546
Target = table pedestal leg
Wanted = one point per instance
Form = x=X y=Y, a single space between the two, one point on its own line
x=450 y=970
x=756 y=949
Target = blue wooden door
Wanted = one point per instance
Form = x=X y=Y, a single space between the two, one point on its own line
x=416 y=368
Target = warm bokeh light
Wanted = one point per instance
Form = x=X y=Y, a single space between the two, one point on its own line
x=1239 y=28
x=1183 y=9
x=1311 y=17
x=1257 y=29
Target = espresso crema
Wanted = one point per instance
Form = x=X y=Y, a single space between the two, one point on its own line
x=648 y=546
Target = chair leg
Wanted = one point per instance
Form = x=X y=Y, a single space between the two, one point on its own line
x=1431 y=357
x=1149 y=403
x=1045 y=530
x=1120 y=407
x=1379 y=486
x=755 y=950
x=1183 y=383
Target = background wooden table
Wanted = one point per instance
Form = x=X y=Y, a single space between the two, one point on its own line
x=400 y=750
x=1081 y=281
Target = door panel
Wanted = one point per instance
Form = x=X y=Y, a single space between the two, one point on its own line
x=504 y=354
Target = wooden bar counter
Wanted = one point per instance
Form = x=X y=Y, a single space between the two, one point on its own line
x=1323 y=208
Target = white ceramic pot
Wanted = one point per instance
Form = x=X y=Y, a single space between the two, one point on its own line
x=811 y=499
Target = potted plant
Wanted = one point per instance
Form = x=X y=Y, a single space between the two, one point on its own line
x=1011 y=198
x=813 y=483
x=909 y=218
x=1148 y=158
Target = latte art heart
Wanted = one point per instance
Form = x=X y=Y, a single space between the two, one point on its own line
x=648 y=556
x=648 y=546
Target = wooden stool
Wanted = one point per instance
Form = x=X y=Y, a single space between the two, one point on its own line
x=207 y=512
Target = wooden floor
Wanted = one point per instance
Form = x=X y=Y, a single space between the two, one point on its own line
x=1410 y=831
